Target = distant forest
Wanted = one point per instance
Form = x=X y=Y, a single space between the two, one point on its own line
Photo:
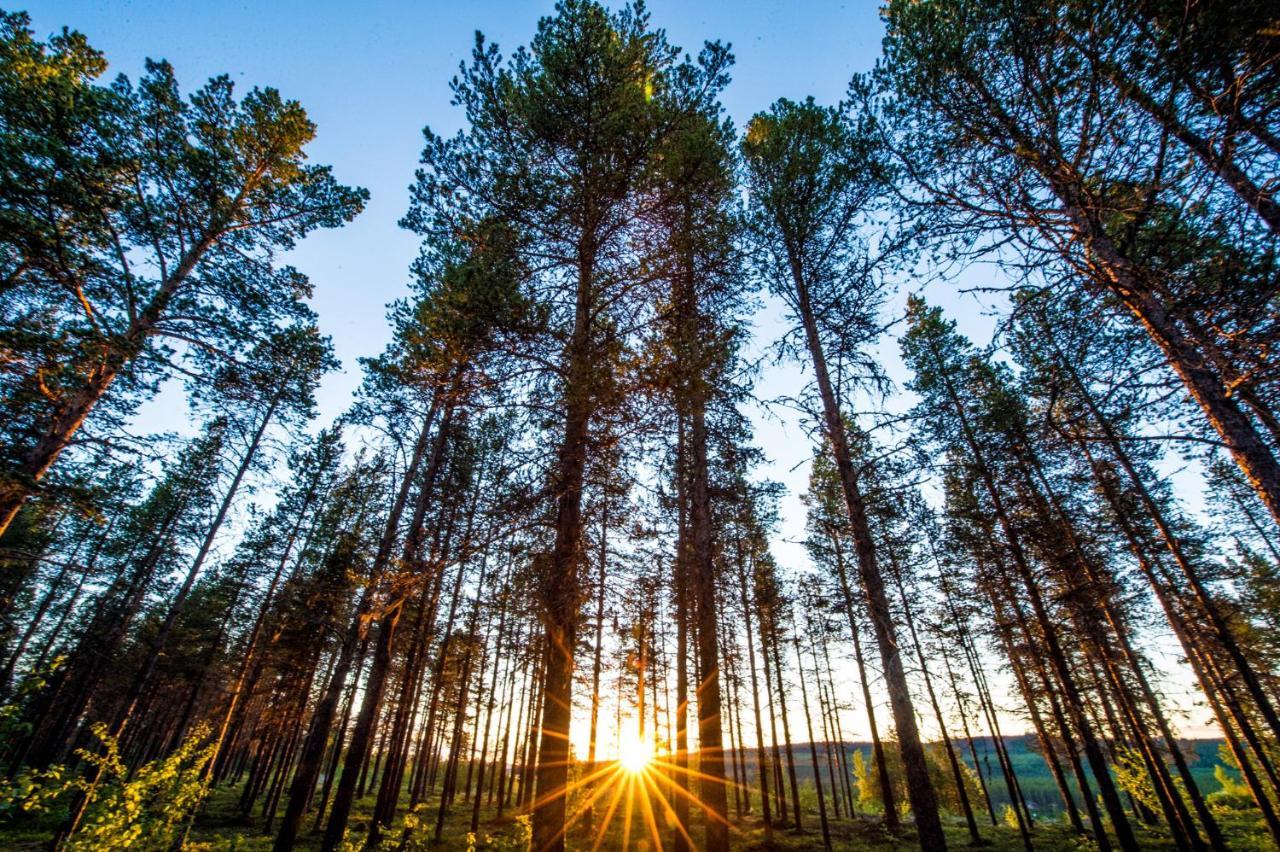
x=524 y=592
x=1036 y=783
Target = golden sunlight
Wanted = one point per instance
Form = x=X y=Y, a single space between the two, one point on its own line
x=636 y=755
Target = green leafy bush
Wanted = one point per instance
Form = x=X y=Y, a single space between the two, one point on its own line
x=142 y=811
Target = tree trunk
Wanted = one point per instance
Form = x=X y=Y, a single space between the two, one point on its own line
x=692 y=398
x=361 y=735
x=887 y=795
x=680 y=840
x=70 y=415
x=1125 y=281
x=813 y=747
x=762 y=756
x=488 y=718
x=786 y=725
x=596 y=662
x=952 y=761
x=1173 y=543
x=558 y=574
x=924 y=800
x=1075 y=704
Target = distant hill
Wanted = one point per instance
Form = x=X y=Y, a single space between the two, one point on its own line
x=1032 y=771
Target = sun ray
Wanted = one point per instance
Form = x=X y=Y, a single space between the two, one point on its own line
x=626 y=818
x=608 y=817
x=694 y=800
x=597 y=794
x=670 y=811
x=641 y=783
x=564 y=791
x=651 y=819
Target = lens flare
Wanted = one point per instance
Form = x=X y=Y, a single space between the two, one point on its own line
x=634 y=756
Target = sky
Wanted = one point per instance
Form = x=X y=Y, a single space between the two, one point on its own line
x=372 y=75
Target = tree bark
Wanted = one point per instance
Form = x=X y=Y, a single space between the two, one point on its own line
x=1125 y=281
x=376 y=682
x=762 y=756
x=813 y=747
x=952 y=761
x=887 y=795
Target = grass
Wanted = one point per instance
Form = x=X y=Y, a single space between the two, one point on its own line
x=221 y=828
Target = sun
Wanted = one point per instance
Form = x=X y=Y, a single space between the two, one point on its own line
x=634 y=756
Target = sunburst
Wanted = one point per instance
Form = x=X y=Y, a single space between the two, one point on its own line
x=639 y=785
x=634 y=756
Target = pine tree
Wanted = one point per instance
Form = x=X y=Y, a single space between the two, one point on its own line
x=813 y=174
x=177 y=208
x=559 y=139
x=1019 y=101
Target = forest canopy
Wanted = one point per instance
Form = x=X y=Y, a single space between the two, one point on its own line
x=530 y=585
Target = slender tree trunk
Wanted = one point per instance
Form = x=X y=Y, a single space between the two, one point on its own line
x=887 y=795
x=766 y=651
x=828 y=737
x=1097 y=761
x=958 y=627
x=762 y=756
x=1173 y=543
x=558 y=574
x=924 y=800
x=741 y=792
x=361 y=735
x=680 y=840
x=952 y=760
x=488 y=719
x=597 y=655
x=322 y=719
x=813 y=747
x=455 y=744
x=842 y=753
x=702 y=575
x=507 y=779
x=786 y=725
x=1126 y=282
x=533 y=742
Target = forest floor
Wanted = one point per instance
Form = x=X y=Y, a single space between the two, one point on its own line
x=221 y=828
